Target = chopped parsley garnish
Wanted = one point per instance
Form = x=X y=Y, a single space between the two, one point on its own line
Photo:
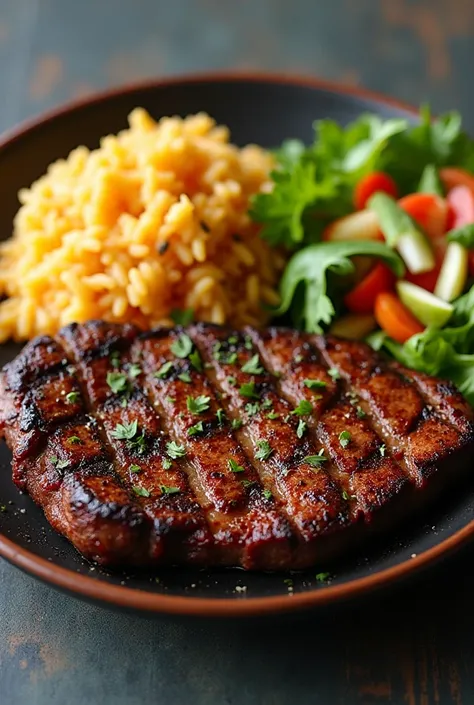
x=59 y=464
x=248 y=390
x=232 y=340
x=185 y=377
x=141 y=491
x=334 y=373
x=165 y=369
x=314 y=384
x=182 y=316
x=382 y=450
x=234 y=466
x=248 y=342
x=264 y=450
x=267 y=494
x=170 y=400
x=3 y=508
x=273 y=416
x=298 y=358
x=196 y=430
x=216 y=354
x=248 y=483
x=302 y=426
x=232 y=381
x=344 y=438
x=252 y=408
x=253 y=366
x=118 y=382
x=303 y=409
x=195 y=360
x=74 y=439
x=174 y=450
x=72 y=397
x=115 y=358
x=267 y=403
x=125 y=432
x=135 y=468
x=220 y=413
x=322 y=577
x=134 y=370
x=183 y=346
x=231 y=359
x=360 y=413
x=345 y=495
x=315 y=460
x=166 y=462
x=198 y=404
x=236 y=424
x=167 y=489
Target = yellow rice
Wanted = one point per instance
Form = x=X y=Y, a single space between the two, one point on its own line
x=154 y=220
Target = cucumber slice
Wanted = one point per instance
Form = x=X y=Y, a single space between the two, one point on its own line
x=416 y=252
x=453 y=275
x=353 y=326
x=426 y=307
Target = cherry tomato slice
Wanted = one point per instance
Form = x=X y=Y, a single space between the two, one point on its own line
x=370 y=184
x=428 y=210
x=362 y=297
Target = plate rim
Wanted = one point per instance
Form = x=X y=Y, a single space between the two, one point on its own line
x=140 y=600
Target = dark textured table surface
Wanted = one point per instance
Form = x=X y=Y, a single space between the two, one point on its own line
x=409 y=648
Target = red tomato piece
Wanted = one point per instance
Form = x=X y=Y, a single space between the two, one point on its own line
x=370 y=184
x=452 y=176
x=461 y=200
x=362 y=297
x=431 y=212
x=394 y=318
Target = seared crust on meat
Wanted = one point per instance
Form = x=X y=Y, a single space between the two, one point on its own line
x=264 y=449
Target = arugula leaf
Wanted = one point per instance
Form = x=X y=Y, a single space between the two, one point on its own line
x=464 y=236
x=309 y=268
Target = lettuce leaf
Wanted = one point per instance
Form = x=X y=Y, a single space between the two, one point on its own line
x=313 y=185
x=305 y=278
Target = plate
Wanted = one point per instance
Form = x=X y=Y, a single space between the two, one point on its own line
x=265 y=110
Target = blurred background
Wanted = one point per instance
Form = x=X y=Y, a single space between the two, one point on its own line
x=55 y=50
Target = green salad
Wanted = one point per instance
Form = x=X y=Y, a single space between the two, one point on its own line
x=378 y=218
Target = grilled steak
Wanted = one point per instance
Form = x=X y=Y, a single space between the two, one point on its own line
x=269 y=450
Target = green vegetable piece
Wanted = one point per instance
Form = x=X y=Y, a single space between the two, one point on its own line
x=314 y=384
x=310 y=266
x=174 y=450
x=141 y=491
x=303 y=409
x=234 y=466
x=401 y=231
x=248 y=390
x=454 y=272
x=344 y=439
x=253 y=366
x=166 y=489
x=165 y=370
x=198 y=404
x=463 y=236
x=301 y=430
x=430 y=181
x=426 y=307
x=182 y=346
x=264 y=450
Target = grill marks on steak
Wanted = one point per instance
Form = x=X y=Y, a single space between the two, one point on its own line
x=247 y=527
x=125 y=501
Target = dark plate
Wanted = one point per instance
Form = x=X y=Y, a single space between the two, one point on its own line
x=258 y=109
